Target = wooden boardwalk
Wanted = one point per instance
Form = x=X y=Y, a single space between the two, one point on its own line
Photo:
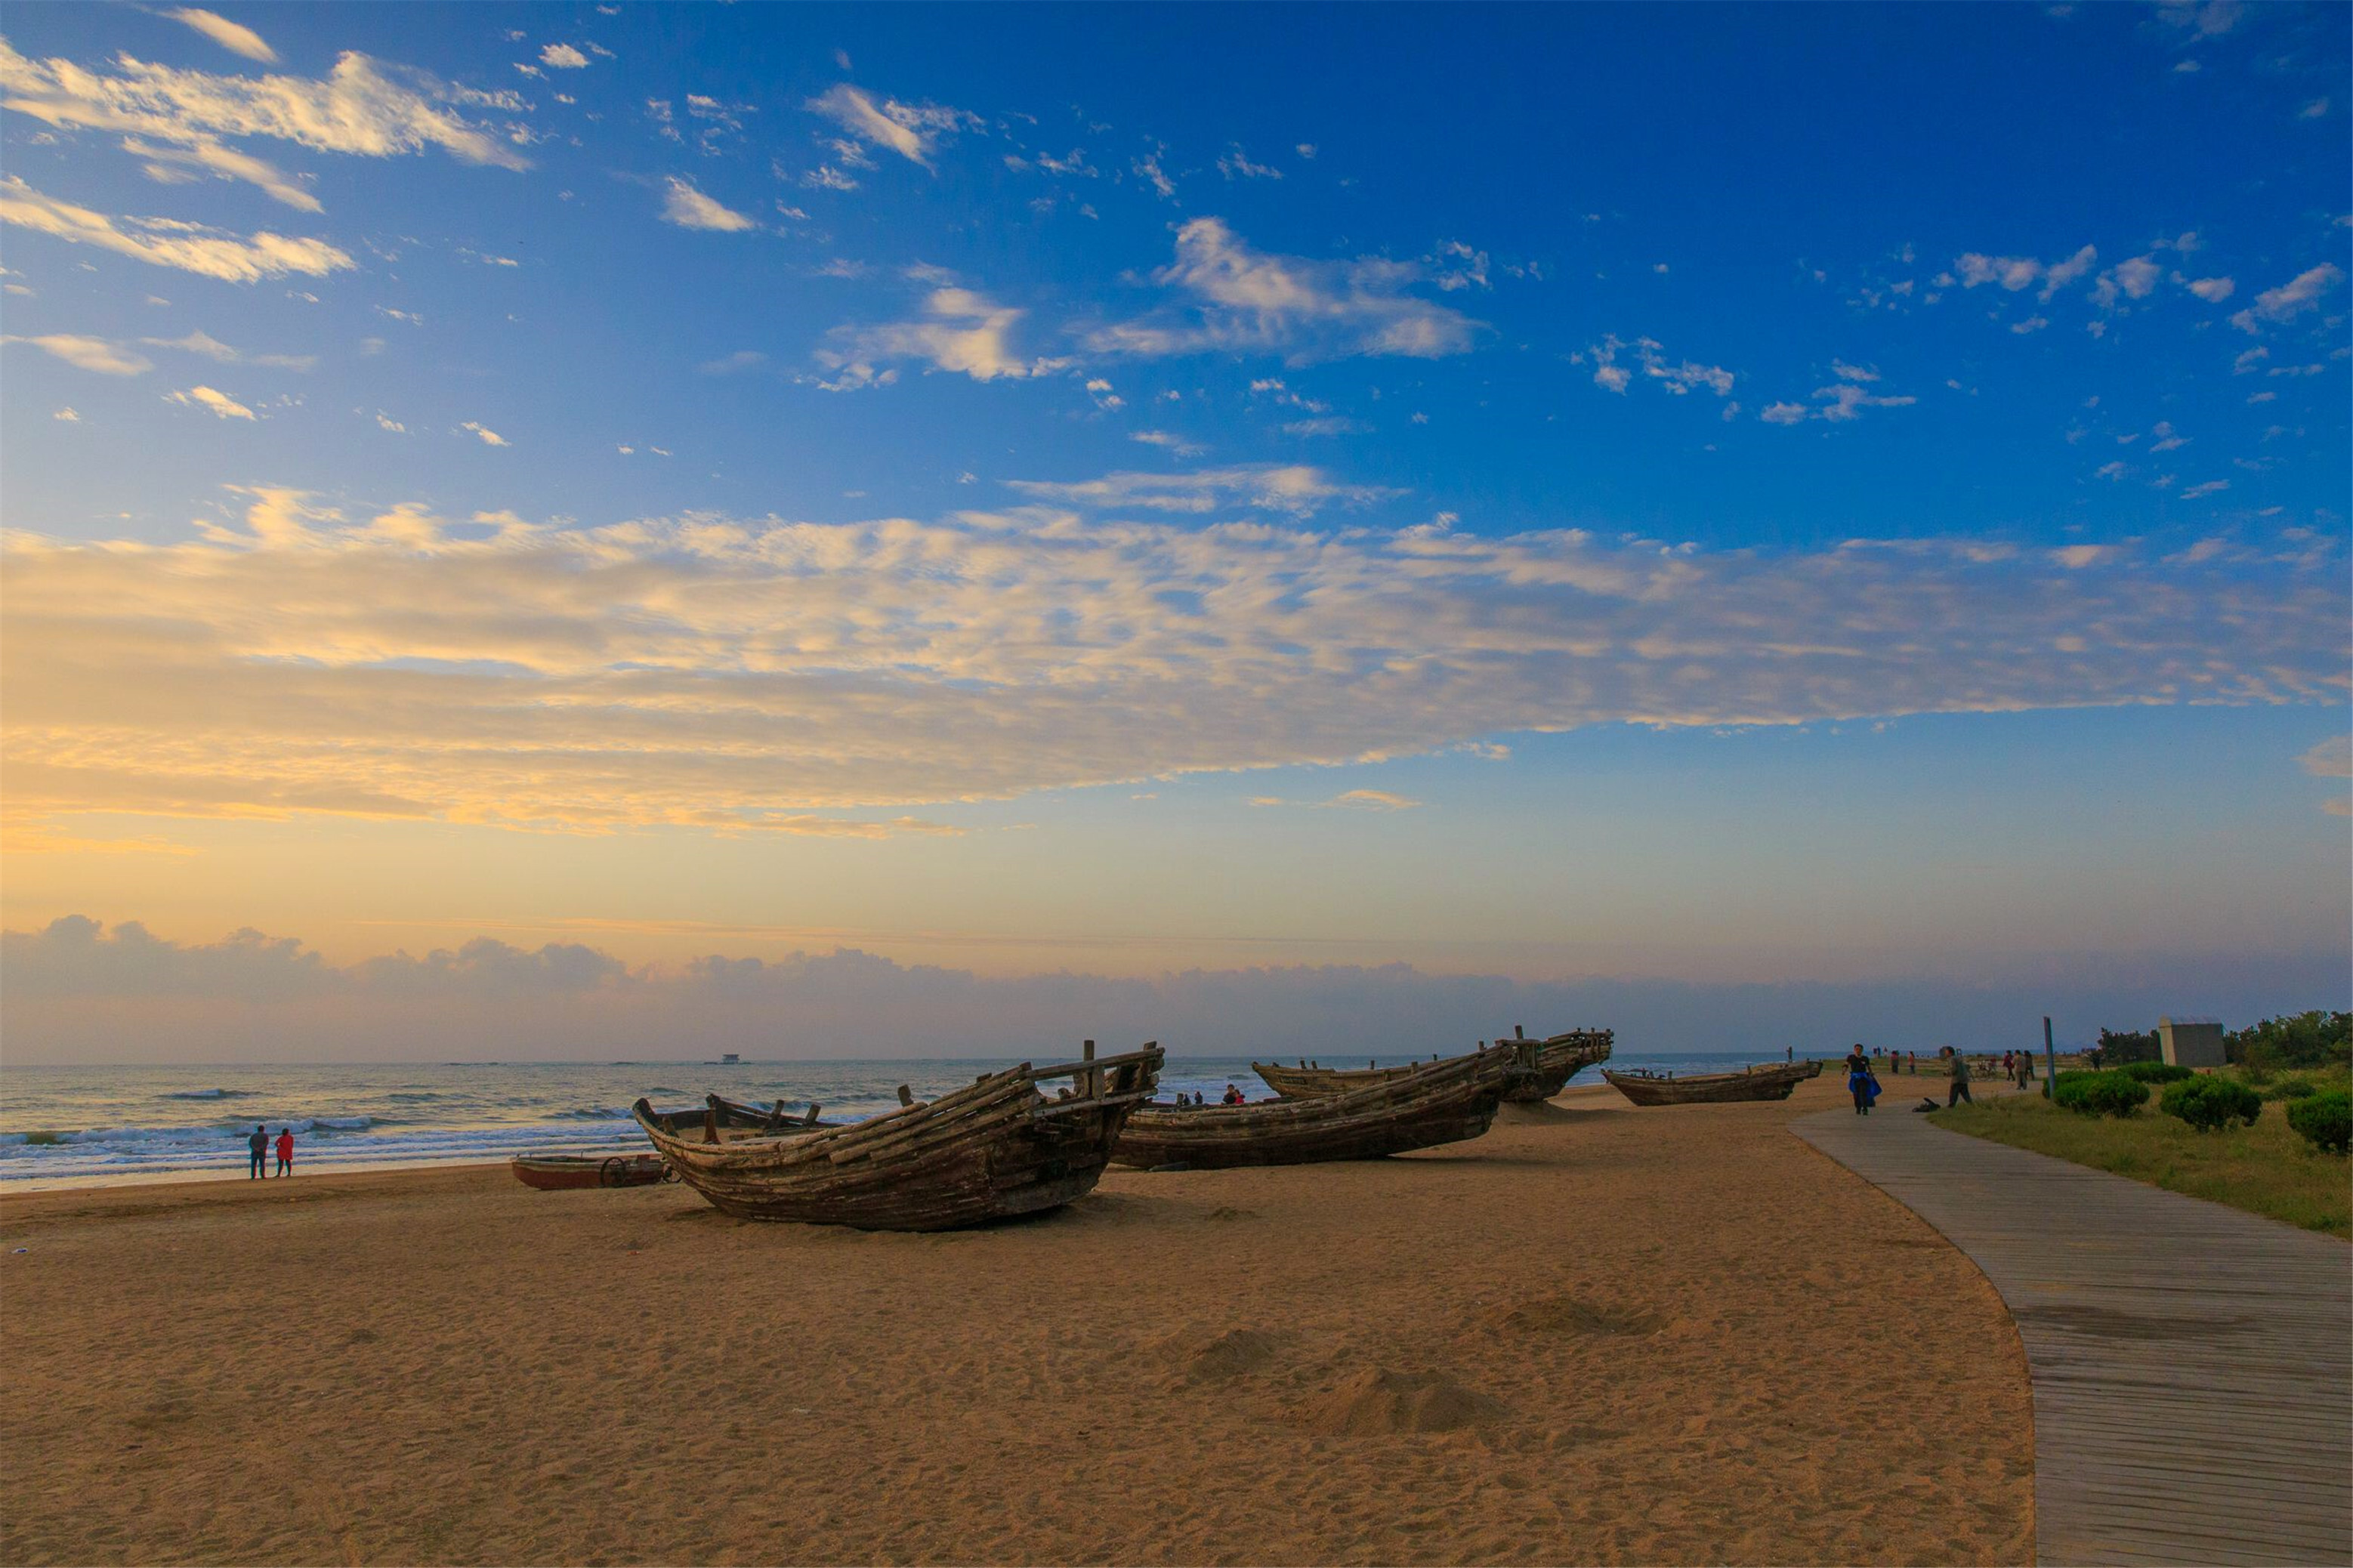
x=2192 y=1365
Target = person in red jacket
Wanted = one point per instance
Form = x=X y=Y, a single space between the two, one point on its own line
x=286 y=1151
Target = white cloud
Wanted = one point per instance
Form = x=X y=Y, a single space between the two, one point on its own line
x=386 y=421
x=1236 y=165
x=1352 y=800
x=2059 y=274
x=2331 y=759
x=487 y=436
x=228 y=34
x=2165 y=438
x=2201 y=18
x=908 y=130
x=2133 y=280
x=88 y=353
x=68 y=415
x=1303 y=309
x=1783 y=413
x=2315 y=110
x=1149 y=171
x=212 y=348
x=2116 y=470
x=2213 y=290
x=2031 y=324
x=2211 y=487
x=1306 y=150
x=162 y=242
x=219 y=404
x=959 y=331
x=707 y=669
x=360 y=108
x=2290 y=299
x=689 y=208
x=563 y=56
x=1327 y=425
x=1174 y=444
x=1846 y=372
x=1295 y=489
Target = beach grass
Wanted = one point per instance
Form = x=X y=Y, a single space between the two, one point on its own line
x=2265 y=1169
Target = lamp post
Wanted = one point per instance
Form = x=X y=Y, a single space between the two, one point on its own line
x=2050 y=1059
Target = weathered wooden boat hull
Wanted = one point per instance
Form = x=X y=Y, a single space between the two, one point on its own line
x=1712 y=1088
x=1436 y=1103
x=1545 y=1068
x=991 y=1151
x=561 y=1172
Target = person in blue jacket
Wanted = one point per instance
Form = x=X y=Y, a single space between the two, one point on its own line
x=1861 y=1083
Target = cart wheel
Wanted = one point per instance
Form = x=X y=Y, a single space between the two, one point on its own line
x=614 y=1171
x=669 y=1171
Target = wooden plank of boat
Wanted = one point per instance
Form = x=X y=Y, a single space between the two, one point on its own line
x=557 y=1172
x=1548 y=1064
x=1773 y=1081
x=991 y=1149
x=1437 y=1102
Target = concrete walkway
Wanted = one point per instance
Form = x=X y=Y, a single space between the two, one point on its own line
x=2192 y=1365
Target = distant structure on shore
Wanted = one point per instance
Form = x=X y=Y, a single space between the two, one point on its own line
x=2191 y=1042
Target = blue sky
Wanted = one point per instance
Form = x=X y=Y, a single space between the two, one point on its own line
x=1822 y=493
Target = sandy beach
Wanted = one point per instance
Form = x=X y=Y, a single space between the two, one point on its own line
x=1598 y=1335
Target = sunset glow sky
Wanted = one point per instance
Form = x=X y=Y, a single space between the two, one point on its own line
x=1841 y=496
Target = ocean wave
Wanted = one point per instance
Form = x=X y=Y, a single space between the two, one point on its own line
x=208 y=1094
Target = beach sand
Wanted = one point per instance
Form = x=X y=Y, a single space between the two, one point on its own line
x=1598 y=1335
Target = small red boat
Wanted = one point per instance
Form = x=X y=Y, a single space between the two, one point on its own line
x=556 y=1172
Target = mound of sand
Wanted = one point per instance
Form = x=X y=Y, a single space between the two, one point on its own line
x=1201 y=1358
x=1379 y=1401
x=1570 y=1315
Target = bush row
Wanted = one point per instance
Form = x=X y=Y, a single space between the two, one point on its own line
x=2206 y=1101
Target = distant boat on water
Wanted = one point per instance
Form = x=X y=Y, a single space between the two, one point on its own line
x=729 y=1059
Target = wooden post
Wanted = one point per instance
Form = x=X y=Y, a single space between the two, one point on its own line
x=711 y=1124
x=1518 y=1032
x=811 y=1121
x=2050 y=1059
x=1090 y=1081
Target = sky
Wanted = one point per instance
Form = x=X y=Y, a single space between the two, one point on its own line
x=1826 y=515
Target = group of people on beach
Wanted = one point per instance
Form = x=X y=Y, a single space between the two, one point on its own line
x=259 y=1146
x=1862 y=1076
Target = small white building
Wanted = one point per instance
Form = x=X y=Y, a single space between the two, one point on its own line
x=2190 y=1042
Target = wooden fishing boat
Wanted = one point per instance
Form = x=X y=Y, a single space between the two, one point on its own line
x=1547 y=1064
x=994 y=1149
x=1773 y=1081
x=557 y=1172
x=1414 y=1107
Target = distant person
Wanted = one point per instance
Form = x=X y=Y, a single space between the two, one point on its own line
x=1233 y=1096
x=258 y=1147
x=1860 y=1083
x=286 y=1151
x=1789 y=1054
x=2026 y=1070
x=1959 y=1091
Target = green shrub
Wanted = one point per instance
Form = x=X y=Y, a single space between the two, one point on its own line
x=2291 y=1089
x=2208 y=1103
x=2154 y=1072
x=2323 y=1120
x=2114 y=1093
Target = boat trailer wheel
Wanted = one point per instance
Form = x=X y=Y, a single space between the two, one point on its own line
x=614 y=1171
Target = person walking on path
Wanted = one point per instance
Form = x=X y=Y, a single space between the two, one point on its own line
x=1959 y=1091
x=1860 y=1083
x=286 y=1151
x=257 y=1146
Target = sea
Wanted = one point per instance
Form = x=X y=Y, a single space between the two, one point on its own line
x=92 y=1126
